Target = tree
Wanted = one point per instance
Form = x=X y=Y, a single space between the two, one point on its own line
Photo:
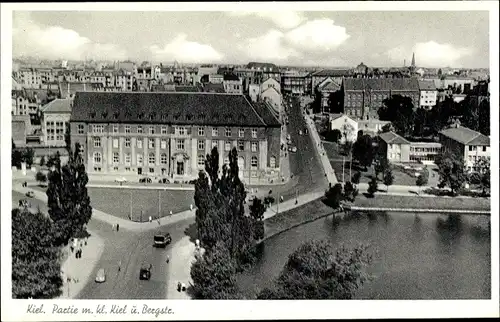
x=317 y=271
x=221 y=213
x=399 y=111
x=382 y=165
x=41 y=177
x=388 y=178
x=67 y=138
x=335 y=102
x=334 y=196
x=17 y=158
x=28 y=157
x=387 y=128
x=423 y=178
x=372 y=187
x=35 y=260
x=333 y=135
x=213 y=275
x=350 y=191
x=363 y=150
x=451 y=172
x=257 y=210
x=68 y=199
x=356 y=177
x=483 y=167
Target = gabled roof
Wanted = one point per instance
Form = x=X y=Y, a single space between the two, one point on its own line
x=426 y=85
x=264 y=110
x=269 y=88
x=330 y=86
x=331 y=72
x=213 y=88
x=58 y=106
x=165 y=108
x=393 y=138
x=466 y=136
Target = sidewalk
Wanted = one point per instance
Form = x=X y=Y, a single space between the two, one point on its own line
x=320 y=150
x=179 y=269
x=78 y=270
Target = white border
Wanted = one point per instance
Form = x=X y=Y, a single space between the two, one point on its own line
x=217 y=310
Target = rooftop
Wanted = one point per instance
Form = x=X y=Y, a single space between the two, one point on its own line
x=59 y=105
x=381 y=84
x=426 y=85
x=231 y=77
x=168 y=108
x=332 y=72
x=393 y=138
x=466 y=136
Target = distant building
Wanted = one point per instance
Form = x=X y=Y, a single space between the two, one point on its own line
x=294 y=83
x=215 y=79
x=273 y=97
x=319 y=77
x=467 y=144
x=363 y=96
x=232 y=84
x=346 y=125
x=55 y=121
x=372 y=126
x=270 y=82
x=428 y=94
x=395 y=147
x=254 y=92
x=324 y=91
x=424 y=152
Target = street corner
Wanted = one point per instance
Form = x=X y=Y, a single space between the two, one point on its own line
x=82 y=256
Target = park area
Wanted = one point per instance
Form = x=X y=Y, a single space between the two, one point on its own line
x=332 y=150
x=140 y=203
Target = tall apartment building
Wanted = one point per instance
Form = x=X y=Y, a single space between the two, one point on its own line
x=169 y=134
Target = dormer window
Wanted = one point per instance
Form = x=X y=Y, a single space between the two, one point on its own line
x=116 y=115
x=189 y=117
x=152 y=116
x=176 y=116
x=104 y=115
x=92 y=115
x=164 y=117
x=140 y=116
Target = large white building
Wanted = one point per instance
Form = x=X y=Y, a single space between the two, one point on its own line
x=428 y=94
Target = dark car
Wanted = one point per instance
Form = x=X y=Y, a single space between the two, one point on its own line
x=30 y=194
x=162 y=239
x=145 y=180
x=163 y=180
x=145 y=272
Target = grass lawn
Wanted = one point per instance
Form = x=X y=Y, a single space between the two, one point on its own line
x=389 y=201
x=116 y=202
x=291 y=218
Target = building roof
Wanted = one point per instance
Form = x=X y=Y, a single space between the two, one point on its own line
x=393 y=138
x=268 y=66
x=59 y=105
x=264 y=110
x=230 y=77
x=213 y=88
x=270 y=88
x=381 y=84
x=187 y=88
x=466 y=136
x=331 y=72
x=330 y=86
x=335 y=116
x=426 y=85
x=166 y=108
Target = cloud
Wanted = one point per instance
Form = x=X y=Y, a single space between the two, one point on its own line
x=431 y=54
x=54 y=42
x=268 y=47
x=317 y=35
x=186 y=51
x=282 y=19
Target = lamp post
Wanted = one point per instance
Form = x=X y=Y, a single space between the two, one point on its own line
x=159 y=204
x=130 y=205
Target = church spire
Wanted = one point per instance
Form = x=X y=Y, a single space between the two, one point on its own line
x=413 y=60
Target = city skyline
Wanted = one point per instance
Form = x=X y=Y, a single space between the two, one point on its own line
x=291 y=38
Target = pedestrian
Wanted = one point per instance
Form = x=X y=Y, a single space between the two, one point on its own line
x=76 y=254
x=281 y=198
x=119 y=266
x=179 y=286
x=168 y=259
x=129 y=217
x=159 y=221
x=191 y=207
x=170 y=213
x=150 y=219
x=117 y=227
x=183 y=287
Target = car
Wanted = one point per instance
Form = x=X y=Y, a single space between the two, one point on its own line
x=121 y=180
x=294 y=149
x=163 y=180
x=30 y=194
x=145 y=180
x=300 y=132
x=101 y=276
x=162 y=239
x=145 y=272
x=288 y=138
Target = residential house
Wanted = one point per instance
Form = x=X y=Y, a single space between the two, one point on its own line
x=216 y=79
x=169 y=134
x=294 y=83
x=232 y=84
x=424 y=152
x=428 y=94
x=467 y=144
x=270 y=82
x=346 y=125
x=395 y=147
x=55 y=121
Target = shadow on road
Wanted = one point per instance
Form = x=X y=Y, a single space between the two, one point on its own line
x=191 y=232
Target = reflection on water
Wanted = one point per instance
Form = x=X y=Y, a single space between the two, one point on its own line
x=422 y=256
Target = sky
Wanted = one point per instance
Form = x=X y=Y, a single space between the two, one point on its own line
x=316 y=38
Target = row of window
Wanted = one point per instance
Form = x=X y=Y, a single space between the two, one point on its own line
x=180 y=144
x=179 y=130
x=428 y=150
x=55 y=131
x=474 y=148
x=97 y=159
